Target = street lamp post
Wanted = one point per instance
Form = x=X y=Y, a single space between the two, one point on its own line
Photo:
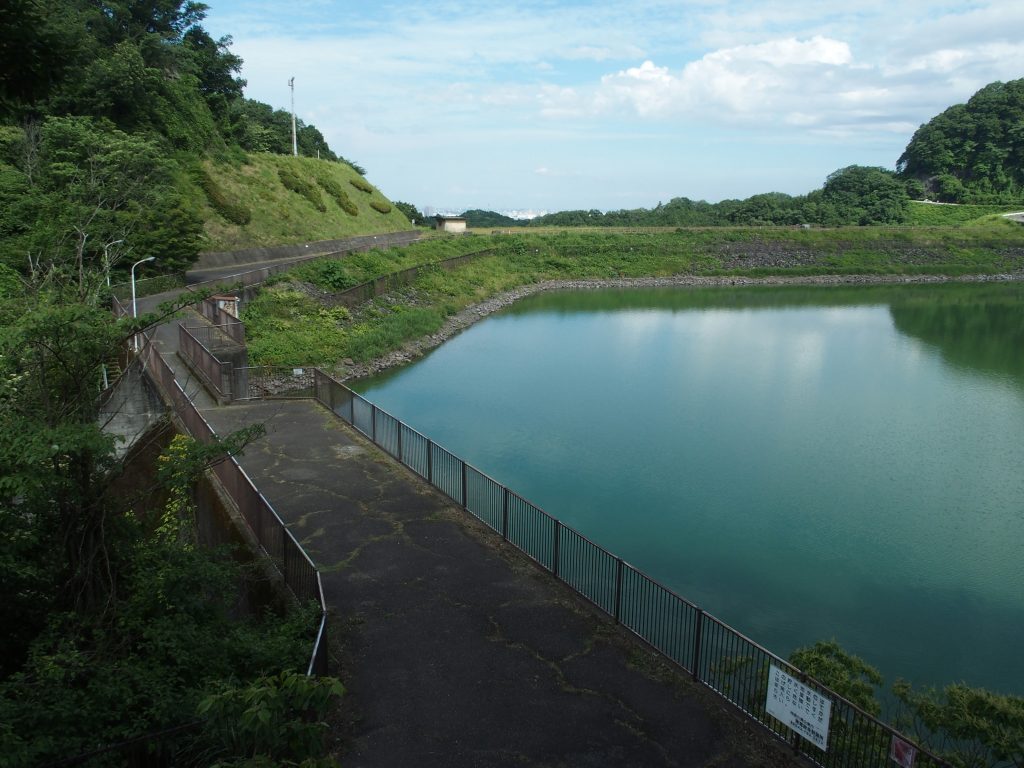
x=135 y=308
x=295 y=144
x=106 y=258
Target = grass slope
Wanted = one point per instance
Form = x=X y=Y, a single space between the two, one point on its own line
x=277 y=215
x=291 y=323
x=934 y=215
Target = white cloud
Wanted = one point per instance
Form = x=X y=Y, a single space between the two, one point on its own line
x=763 y=80
x=392 y=84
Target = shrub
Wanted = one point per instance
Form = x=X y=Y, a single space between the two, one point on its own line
x=232 y=210
x=361 y=185
x=380 y=206
x=339 y=195
x=292 y=181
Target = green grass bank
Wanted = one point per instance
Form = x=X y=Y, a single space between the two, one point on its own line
x=258 y=199
x=293 y=321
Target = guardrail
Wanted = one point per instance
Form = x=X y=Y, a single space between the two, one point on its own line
x=713 y=653
x=296 y=568
x=216 y=374
x=225 y=321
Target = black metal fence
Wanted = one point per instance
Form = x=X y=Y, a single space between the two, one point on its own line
x=715 y=654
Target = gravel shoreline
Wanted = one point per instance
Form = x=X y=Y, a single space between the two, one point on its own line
x=459 y=322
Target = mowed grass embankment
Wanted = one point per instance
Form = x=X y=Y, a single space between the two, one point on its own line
x=258 y=199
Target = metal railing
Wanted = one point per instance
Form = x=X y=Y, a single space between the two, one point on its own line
x=713 y=653
x=228 y=324
x=357 y=294
x=278 y=381
x=215 y=373
x=295 y=567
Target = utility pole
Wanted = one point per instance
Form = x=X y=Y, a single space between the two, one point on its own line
x=295 y=143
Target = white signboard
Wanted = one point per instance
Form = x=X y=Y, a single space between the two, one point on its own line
x=801 y=708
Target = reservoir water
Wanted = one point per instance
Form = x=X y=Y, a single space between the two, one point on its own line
x=803 y=462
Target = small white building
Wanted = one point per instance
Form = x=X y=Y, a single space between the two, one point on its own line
x=454 y=224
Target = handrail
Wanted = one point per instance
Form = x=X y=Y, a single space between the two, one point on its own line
x=714 y=653
x=251 y=504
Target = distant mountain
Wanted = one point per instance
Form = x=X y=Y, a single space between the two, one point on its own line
x=973 y=152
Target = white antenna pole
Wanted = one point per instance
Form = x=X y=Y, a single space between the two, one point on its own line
x=295 y=143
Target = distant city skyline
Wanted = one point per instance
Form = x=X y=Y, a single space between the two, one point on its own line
x=546 y=106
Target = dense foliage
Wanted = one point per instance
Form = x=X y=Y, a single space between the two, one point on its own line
x=973 y=152
x=105 y=109
x=115 y=620
x=855 y=195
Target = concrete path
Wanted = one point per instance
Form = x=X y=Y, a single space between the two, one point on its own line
x=455 y=649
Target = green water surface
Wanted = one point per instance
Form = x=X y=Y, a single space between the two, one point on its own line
x=802 y=462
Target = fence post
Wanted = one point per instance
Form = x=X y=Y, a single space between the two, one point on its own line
x=697 y=633
x=284 y=553
x=618 y=588
x=554 y=549
x=373 y=422
x=504 y=513
x=228 y=373
x=400 y=459
x=465 y=487
x=430 y=461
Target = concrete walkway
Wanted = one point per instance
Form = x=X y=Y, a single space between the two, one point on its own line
x=455 y=649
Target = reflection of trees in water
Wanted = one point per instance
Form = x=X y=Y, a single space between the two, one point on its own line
x=980 y=329
x=975 y=327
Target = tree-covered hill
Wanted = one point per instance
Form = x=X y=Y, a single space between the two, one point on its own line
x=124 y=133
x=973 y=152
x=857 y=194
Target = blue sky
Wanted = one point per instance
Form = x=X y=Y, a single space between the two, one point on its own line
x=550 y=105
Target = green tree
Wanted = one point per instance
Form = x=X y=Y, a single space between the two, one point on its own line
x=87 y=200
x=969 y=727
x=848 y=675
x=980 y=144
x=411 y=212
x=864 y=195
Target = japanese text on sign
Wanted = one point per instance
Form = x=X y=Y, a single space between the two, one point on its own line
x=801 y=708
